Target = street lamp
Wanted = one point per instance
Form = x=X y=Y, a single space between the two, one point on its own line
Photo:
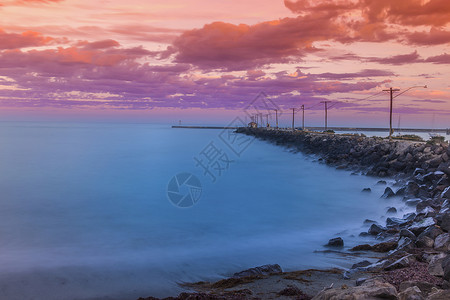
x=391 y=92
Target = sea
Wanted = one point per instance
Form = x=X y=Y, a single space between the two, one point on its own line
x=87 y=210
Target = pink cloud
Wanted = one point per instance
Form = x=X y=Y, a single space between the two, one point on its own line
x=25 y=39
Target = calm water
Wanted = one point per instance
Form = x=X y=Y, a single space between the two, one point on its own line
x=84 y=212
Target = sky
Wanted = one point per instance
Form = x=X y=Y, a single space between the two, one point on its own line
x=203 y=61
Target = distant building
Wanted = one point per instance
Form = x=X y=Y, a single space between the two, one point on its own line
x=252 y=125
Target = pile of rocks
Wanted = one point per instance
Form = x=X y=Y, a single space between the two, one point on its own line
x=374 y=155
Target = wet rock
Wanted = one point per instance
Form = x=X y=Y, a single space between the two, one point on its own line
x=401 y=191
x=262 y=270
x=412 y=189
x=375 y=229
x=361 y=264
x=445 y=222
x=400 y=263
x=411 y=293
x=360 y=281
x=446 y=193
x=391 y=210
x=410 y=216
x=424 y=242
x=405 y=243
x=293 y=291
x=413 y=202
x=442 y=242
x=388 y=193
x=381 y=182
x=418 y=227
x=431 y=232
x=370 y=289
x=364 y=247
x=369 y=222
x=384 y=247
x=407 y=233
x=393 y=222
x=366 y=190
x=336 y=242
x=446 y=267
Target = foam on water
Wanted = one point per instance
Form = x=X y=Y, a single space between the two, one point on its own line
x=84 y=212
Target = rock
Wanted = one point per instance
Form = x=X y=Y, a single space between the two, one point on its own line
x=336 y=242
x=412 y=189
x=439 y=295
x=382 y=182
x=431 y=232
x=405 y=243
x=369 y=222
x=442 y=242
x=292 y=291
x=388 y=193
x=424 y=286
x=262 y=270
x=393 y=222
x=384 y=247
x=418 y=227
x=401 y=191
x=446 y=193
x=400 y=263
x=409 y=217
x=445 y=223
x=375 y=229
x=366 y=190
x=360 y=281
x=407 y=233
x=364 y=247
x=413 y=202
x=424 y=242
x=418 y=171
x=435 y=265
x=411 y=293
x=370 y=289
x=446 y=267
x=391 y=210
x=361 y=264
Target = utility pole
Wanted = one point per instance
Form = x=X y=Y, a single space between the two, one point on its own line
x=326 y=113
x=276 y=117
x=391 y=92
x=303 y=117
x=293 y=114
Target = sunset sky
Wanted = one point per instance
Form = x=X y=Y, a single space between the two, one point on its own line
x=206 y=59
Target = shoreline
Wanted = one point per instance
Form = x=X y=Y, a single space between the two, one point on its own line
x=417 y=246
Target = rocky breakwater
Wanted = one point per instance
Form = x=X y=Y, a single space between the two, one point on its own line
x=376 y=156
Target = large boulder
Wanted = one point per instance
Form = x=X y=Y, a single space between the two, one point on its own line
x=370 y=289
